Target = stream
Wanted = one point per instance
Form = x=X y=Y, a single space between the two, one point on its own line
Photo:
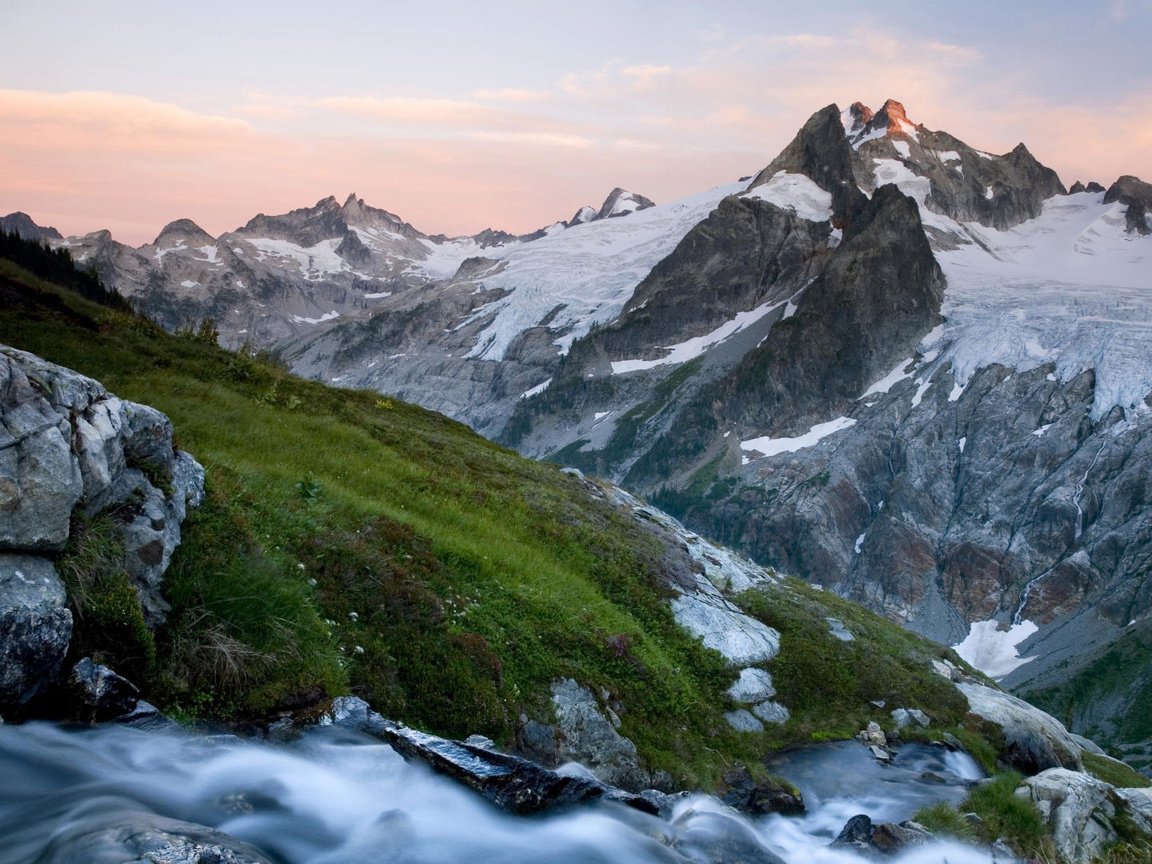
x=333 y=797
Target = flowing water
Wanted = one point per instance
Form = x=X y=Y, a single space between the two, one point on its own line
x=336 y=798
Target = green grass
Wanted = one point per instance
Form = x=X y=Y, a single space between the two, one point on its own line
x=944 y=820
x=1114 y=772
x=351 y=541
x=830 y=686
x=1003 y=814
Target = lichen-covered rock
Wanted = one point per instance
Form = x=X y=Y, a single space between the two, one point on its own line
x=1034 y=740
x=68 y=445
x=1078 y=810
x=35 y=626
x=588 y=737
x=40 y=480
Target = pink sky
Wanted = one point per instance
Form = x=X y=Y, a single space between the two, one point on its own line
x=522 y=148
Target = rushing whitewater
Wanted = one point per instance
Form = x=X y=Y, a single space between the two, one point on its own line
x=335 y=798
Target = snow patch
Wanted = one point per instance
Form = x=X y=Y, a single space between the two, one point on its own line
x=899 y=372
x=1039 y=433
x=692 y=348
x=903 y=149
x=772 y=446
x=962 y=442
x=795 y=192
x=992 y=650
x=535 y=391
x=378 y=295
x=860 y=542
x=188 y=283
x=327 y=316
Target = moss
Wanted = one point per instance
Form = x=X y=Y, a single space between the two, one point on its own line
x=1114 y=772
x=108 y=622
x=1003 y=814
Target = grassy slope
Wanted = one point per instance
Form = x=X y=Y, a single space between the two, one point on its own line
x=353 y=541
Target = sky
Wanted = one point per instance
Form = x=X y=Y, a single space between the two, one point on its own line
x=459 y=116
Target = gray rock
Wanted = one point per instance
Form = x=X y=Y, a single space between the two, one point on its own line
x=35 y=627
x=105 y=694
x=904 y=717
x=743 y=720
x=772 y=712
x=836 y=628
x=145 y=838
x=40 y=479
x=1138 y=806
x=753 y=685
x=1034 y=741
x=588 y=737
x=67 y=444
x=1077 y=809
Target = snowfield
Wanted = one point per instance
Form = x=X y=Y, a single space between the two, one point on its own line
x=1069 y=288
x=588 y=272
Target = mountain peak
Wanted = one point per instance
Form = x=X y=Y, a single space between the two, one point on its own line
x=22 y=225
x=186 y=230
x=621 y=202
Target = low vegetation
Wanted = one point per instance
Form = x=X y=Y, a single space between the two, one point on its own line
x=353 y=543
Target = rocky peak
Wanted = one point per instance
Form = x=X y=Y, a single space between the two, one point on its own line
x=820 y=151
x=584 y=214
x=855 y=117
x=621 y=202
x=893 y=116
x=22 y=225
x=1130 y=190
x=183 y=230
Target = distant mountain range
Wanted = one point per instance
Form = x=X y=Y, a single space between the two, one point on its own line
x=910 y=371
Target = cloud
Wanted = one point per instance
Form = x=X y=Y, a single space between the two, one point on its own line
x=113 y=122
x=512 y=94
x=521 y=158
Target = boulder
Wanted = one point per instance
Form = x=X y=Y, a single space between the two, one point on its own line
x=66 y=446
x=588 y=737
x=758 y=799
x=35 y=626
x=1078 y=810
x=1034 y=740
x=145 y=838
x=753 y=685
x=40 y=479
x=105 y=694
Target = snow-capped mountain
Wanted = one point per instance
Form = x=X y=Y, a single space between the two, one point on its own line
x=911 y=371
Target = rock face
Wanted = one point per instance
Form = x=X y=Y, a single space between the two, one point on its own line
x=1078 y=809
x=1033 y=740
x=69 y=448
x=587 y=736
x=35 y=626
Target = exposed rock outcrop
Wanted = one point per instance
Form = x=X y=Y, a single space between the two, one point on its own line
x=68 y=449
x=1034 y=741
x=35 y=626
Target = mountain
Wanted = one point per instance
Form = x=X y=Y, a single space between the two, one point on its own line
x=338 y=541
x=910 y=371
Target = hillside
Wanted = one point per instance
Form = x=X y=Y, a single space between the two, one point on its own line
x=353 y=542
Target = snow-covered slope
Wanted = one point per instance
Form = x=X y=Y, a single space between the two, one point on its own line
x=584 y=274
